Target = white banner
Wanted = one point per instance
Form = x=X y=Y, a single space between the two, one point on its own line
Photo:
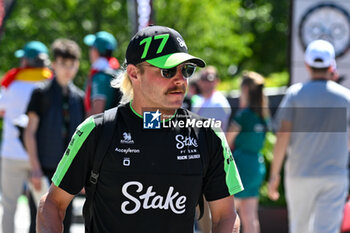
x=315 y=19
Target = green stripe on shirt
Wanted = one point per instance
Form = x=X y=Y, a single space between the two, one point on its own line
x=233 y=180
x=79 y=137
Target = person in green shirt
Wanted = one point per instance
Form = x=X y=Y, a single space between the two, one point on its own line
x=246 y=136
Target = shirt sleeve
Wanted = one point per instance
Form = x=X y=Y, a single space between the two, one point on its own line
x=286 y=109
x=74 y=168
x=36 y=102
x=3 y=98
x=222 y=178
x=101 y=86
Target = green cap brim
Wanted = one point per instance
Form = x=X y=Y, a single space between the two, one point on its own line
x=172 y=60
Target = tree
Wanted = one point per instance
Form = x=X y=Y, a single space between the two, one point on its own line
x=231 y=35
x=211 y=29
x=268 y=21
x=48 y=20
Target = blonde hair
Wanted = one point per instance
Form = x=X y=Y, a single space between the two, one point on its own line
x=122 y=81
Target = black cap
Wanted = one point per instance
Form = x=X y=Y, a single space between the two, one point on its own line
x=160 y=46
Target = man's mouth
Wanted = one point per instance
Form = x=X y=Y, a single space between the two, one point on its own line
x=177 y=91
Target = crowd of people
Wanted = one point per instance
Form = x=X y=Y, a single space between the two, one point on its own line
x=140 y=176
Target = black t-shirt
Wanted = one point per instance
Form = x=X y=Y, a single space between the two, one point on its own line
x=59 y=116
x=150 y=180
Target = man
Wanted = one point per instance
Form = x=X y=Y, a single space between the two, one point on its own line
x=16 y=88
x=150 y=179
x=210 y=102
x=314 y=119
x=99 y=94
x=54 y=111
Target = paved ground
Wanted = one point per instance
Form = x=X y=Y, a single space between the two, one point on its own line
x=22 y=216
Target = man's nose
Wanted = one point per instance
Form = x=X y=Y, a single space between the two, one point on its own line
x=179 y=78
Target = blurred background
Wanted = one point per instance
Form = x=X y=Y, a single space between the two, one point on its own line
x=231 y=35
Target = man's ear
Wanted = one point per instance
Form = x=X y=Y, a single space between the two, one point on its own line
x=132 y=71
x=330 y=69
x=308 y=68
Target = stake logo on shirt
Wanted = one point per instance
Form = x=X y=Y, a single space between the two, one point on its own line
x=183 y=141
x=151 y=200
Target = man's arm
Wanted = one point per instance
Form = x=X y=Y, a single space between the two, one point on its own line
x=31 y=147
x=97 y=106
x=52 y=210
x=349 y=139
x=232 y=133
x=100 y=88
x=223 y=215
x=279 y=153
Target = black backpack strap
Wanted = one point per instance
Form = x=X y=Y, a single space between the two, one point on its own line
x=203 y=149
x=108 y=126
x=109 y=123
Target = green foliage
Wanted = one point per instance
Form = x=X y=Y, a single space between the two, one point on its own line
x=48 y=20
x=277 y=79
x=210 y=28
x=231 y=35
x=268 y=21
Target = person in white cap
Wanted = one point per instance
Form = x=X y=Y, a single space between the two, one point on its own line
x=313 y=125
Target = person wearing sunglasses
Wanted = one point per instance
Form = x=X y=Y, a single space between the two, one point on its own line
x=153 y=174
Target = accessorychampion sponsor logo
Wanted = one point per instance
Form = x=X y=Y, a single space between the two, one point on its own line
x=183 y=141
x=127 y=138
x=187 y=147
x=181 y=42
x=151 y=200
x=127 y=150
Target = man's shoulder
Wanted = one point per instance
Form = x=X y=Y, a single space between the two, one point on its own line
x=76 y=90
x=44 y=86
x=295 y=88
x=122 y=108
x=42 y=89
x=104 y=74
x=340 y=88
x=102 y=80
x=219 y=100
